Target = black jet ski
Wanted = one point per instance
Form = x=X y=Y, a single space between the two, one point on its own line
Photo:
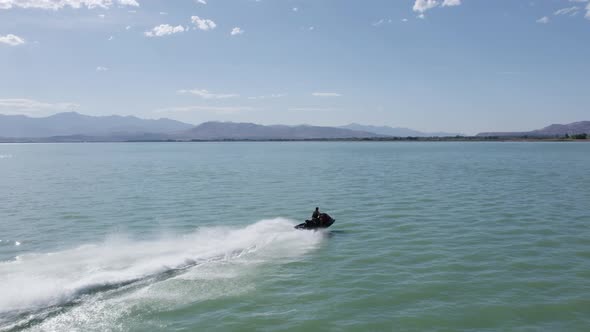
x=324 y=221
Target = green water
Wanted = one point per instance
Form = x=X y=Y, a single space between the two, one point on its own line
x=199 y=236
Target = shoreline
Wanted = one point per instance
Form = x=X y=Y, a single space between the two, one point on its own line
x=376 y=139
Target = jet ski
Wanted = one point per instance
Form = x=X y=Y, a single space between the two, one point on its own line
x=324 y=221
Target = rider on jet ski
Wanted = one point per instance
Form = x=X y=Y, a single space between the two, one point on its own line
x=315 y=217
x=318 y=220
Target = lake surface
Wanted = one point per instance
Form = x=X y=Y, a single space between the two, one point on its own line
x=199 y=236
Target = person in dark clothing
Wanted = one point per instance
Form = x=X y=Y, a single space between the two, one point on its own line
x=315 y=217
x=316 y=213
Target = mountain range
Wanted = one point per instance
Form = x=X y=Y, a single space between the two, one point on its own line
x=396 y=131
x=72 y=123
x=554 y=130
x=251 y=131
x=75 y=127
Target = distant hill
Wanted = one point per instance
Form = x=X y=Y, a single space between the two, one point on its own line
x=395 y=132
x=232 y=130
x=549 y=131
x=75 y=127
x=72 y=123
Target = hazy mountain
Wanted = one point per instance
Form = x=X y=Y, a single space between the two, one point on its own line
x=395 y=132
x=72 y=123
x=232 y=130
x=552 y=130
x=74 y=127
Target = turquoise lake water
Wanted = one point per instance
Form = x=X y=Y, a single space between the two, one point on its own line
x=199 y=237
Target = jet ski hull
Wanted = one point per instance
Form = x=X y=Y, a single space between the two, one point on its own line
x=324 y=222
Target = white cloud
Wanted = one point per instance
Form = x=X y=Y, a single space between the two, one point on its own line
x=450 y=3
x=295 y=9
x=404 y=19
x=129 y=3
x=587 y=7
x=381 y=22
x=423 y=5
x=378 y=23
x=11 y=40
x=203 y=2
x=326 y=94
x=213 y=109
x=272 y=96
x=163 y=13
x=111 y=38
x=101 y=15
x=32 y=105
x=568 y=10
x=203 y=24
x=59 y=4
x=575 y=9
x=164 y=30
x=101 y=68
x=236 y=31
x=128 y=27
x=543 y=20
x=208 y=95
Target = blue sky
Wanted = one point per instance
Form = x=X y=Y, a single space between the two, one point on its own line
x=433 y=65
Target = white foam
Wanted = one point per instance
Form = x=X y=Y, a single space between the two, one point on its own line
x=41 y=280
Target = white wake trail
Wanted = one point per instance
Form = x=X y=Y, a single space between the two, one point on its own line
x=38 y=281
